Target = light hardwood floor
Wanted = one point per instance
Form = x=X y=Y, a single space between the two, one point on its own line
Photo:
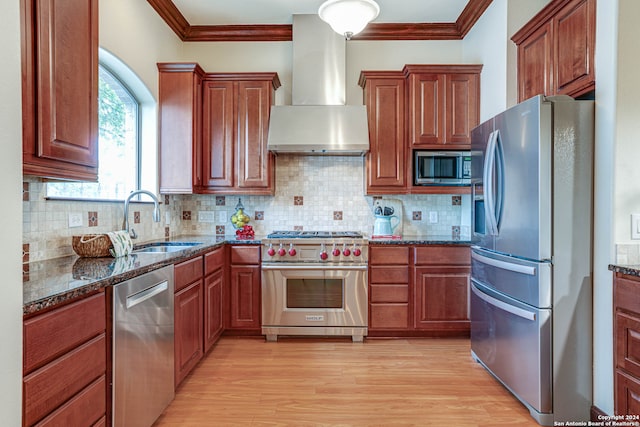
x=334 y=382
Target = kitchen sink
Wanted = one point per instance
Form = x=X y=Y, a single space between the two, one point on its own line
x=165 y=247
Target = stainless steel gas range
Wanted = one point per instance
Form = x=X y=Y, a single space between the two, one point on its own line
x=314 y=283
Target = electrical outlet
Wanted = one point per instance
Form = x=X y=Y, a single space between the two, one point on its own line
x=433 y=217
x=167 y=218
x=75 y=219
x=222 y=216
x=635 y=226
x=206 y=216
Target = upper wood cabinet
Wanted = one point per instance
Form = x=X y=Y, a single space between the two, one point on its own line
x=384 y=96
x=180 y=124
x=213 y=131
x=444 y=105
x=236 y=112
x=556 y=50
x=60 y=88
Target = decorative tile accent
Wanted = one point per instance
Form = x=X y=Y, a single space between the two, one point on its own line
x=186 y=215
x=417 y=215
x=298 y=200
x=337 y=215
x=297 y=228
x=455 y=231
x=25 y=191
x=167 y=232
x=93 y=219
x=220 y=201
x=456 y=200
x=25 y=272
x=136 y=217
x=25 y=252
x=220 y=229
x=259 y=215
x=166 y=199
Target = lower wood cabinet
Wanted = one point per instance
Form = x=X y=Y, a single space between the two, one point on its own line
x=419 y=290
x=626 y=308
x=245 y=316
x=198 y=306
x=65 y=365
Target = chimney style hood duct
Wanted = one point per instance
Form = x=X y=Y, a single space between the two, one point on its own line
x=318 y=122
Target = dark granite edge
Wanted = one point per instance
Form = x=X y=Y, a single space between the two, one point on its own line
x=631 y=270
x=373 y=242
x=94 y=285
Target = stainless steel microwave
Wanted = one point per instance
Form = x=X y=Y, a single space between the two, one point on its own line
x=441 y=167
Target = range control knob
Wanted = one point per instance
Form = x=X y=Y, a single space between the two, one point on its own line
x=345 y=250
x=323 y=253
x=335 y=251
x=271 y=251
x=292 y=250
x=357 y=251
x=281 y=251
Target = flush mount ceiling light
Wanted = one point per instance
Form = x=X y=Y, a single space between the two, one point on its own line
x=348 y=17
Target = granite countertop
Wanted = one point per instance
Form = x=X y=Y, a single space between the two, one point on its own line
x=631 y=270
x=51 y=282
x=421 y=239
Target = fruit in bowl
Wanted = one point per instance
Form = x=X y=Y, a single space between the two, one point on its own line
x=246 y=232
x=239 y=219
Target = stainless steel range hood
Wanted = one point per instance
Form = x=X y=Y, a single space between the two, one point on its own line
x=318 y=122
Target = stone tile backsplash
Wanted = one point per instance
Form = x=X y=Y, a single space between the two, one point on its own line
x=312 y=193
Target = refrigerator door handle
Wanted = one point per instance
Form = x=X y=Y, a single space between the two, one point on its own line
x=516 y=311
x=487 y=184
x=498 y=169
x=516 y=268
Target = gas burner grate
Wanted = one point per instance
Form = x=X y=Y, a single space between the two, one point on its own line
x=314 y=234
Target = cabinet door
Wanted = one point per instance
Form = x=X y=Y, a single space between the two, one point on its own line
x=60 y=88
x=244 y=297
x=535 y=64
x=218 y=133
x=180 y=127
x=213 y=325
x=188 y=329
x=253 y=159
x=385 y=162
x=426 y=113
x=627 y=392
x=442 y=298
x=462 y=107
x=574 y=30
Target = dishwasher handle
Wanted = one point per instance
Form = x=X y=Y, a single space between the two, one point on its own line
x=142 y=296
x=525 y=314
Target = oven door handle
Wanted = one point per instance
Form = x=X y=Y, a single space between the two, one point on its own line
x=314 y=267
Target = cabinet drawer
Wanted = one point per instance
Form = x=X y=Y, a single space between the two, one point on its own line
x=245 y=255
x=49 y=335
x=86 y=408
x=213 y=261
x=389 y=316
x=627 y=393
x=50 y=386
x=626 y=294
x=389 y=293
x=389 y=255
x=442 y=255
x=188 y=272
x=392 y=275
x=627 y=342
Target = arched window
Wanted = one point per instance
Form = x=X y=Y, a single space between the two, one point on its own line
x=120 y=133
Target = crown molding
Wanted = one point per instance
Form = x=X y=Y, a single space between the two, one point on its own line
x=284 y=32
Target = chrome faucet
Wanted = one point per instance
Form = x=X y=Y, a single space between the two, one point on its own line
x=156 y=211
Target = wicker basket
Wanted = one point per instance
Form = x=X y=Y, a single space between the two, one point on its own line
x=92 y=245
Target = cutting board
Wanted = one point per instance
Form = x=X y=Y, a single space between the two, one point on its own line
x=396 y=205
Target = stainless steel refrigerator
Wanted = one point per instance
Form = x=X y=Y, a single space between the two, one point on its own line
x=531 y=273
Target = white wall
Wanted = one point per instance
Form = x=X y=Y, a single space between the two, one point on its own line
x=606 y=177
x=361 y=55
x=10 y=187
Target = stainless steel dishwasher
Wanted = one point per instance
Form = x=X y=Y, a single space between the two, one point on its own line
x=143 y=381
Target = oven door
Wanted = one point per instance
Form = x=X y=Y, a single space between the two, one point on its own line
x=314 y=296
